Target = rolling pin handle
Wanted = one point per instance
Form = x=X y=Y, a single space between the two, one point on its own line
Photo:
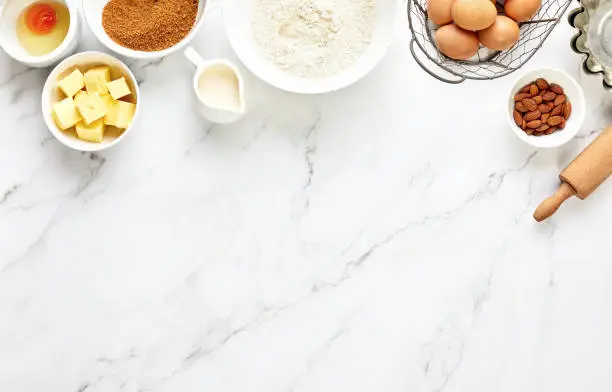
x=552 y=204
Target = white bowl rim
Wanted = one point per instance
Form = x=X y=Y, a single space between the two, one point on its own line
x=55 y=131
x=142 y=55
x=56 y=53
x=333 y=83
x=577 y=117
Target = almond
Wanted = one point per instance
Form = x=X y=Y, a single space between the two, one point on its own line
x=529 y=104
x=560 y=99
x=525 y=89
x=535 y=133
x=541 y=94
x=544 y=108
x=521 y=107
x=567 y=110
x=554 y=120
x=545 y=117
x=533 y=90
x=524 y=124
x=543 y=128
x=537 y=99
x=557 y=110
x=520 y=96
x=534 y=115
x=549 y=96
x=518 y=118
x=534 y=124
x=542 y=84
x=555 y=88
x=562 y=124
x=550 y=130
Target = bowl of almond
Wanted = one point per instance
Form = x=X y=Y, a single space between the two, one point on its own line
x=90 y=101
x=546 y=108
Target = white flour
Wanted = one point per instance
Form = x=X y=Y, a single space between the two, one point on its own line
x=314 y=38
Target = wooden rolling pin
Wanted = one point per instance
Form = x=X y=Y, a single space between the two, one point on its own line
x=582 y=176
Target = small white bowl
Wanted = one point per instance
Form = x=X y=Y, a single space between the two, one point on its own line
x=51 y=94
x=574 y=93
x=9 y=14
x=92 y=13
x=238 y=16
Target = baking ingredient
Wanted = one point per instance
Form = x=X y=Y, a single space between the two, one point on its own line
x=42 y=27
x=218 y=87
x=545 y=118
x=474 y=14
x=542 y=84
x=555 y=88
x=522 y=10
x=66 y=114
x=120 y=114
x=149 y=25
x=439 y=11
x=93 y=132
x=501 y=35
x=313 y=38
x=456 y=43
x=96 y=79
x=91 y=111
x=90 y=106
x=72 y=84
x=40 y=18
x=118 y=88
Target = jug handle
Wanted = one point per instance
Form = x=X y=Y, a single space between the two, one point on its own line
x=193 y=56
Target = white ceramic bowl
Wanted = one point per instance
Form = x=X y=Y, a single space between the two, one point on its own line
x=574 y=93
x=9 y=13
x=92 y=13
x=238 y=16
x=51 y=95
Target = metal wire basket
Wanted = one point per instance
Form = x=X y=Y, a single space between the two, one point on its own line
x=486 y=64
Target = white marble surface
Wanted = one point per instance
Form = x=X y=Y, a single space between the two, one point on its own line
x=375 y=239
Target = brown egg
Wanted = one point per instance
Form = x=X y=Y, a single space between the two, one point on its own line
x=474 y=14
x=501 y=35
x=522 y=10
x=439 y=11
x=457 y=43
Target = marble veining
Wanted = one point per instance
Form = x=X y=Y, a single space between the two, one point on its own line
x=375 y=239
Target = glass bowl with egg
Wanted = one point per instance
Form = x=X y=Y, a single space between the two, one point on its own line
x=90 y=101
x=38 y=33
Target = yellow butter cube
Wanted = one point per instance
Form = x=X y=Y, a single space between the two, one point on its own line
x=108 y=102
x=118 y=88
x=96 y=79
x=120 y=114
x=107 y=99
x=93 y=132
x=72 y=83
x=80 y=97
x=66 y=114
x=91 y=106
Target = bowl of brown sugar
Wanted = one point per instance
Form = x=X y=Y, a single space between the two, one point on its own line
x=144 y=29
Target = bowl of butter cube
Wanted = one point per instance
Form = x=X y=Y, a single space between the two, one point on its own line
x=90 y=101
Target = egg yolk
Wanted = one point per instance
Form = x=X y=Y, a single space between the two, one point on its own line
x=41 y=18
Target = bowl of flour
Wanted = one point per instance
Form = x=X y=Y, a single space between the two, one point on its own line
x=310 y=46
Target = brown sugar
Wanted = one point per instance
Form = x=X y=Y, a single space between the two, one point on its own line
x=149 y=25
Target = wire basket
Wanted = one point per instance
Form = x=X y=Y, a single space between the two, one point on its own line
x=486 y=64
